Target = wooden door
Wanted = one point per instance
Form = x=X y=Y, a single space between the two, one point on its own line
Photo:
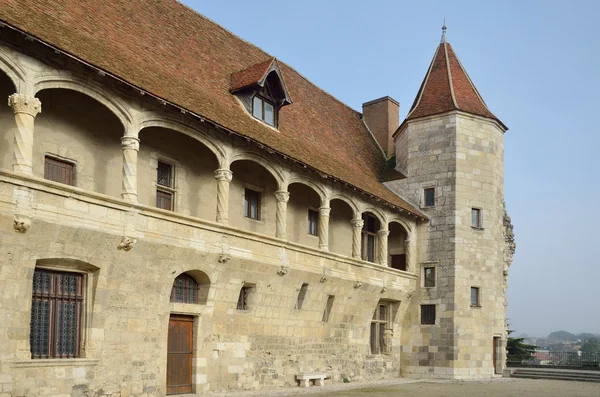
x=179 y=354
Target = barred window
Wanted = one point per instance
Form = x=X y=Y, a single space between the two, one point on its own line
x=379 y=324
x=56 y=311
x=185 y=289
x=165 y=187
x=428 y=314
x=59 y=171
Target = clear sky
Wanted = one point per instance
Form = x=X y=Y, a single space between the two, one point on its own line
x=536 y=64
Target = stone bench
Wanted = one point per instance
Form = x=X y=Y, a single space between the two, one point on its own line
x=305 y=378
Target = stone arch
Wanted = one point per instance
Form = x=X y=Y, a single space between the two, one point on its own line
x=377 y=213
x=311 y=184
x=107 y=99
x=348 y=200
x=150 y=120
x=403 y=223
x=203 y=284
x=14 y=72
x=262 y=161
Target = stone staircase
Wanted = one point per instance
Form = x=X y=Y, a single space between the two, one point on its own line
x=556 y=374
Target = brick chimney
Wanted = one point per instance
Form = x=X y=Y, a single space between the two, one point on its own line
x=382 y=116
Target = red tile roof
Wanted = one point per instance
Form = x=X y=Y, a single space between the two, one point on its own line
x=250 y=76
x=171 y=51
x=447 y=87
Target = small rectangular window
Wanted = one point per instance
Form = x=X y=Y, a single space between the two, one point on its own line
x=242 y=303
x=475 y=296
x=379 y=324
x=301 y=296
x=257 y=108
x=427 y=314
x=429 y=197
x=429 y=276
x=313 y=222
x=59 y=171
x=399 y=261
x=269 y=114
x=251 y=204
x=476 y=218
x=164 y=175
x=164 y=188
x=328 y=307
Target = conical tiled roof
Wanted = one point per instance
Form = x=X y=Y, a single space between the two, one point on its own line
x=447 y=87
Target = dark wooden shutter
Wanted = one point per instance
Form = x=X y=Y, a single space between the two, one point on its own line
x=58 y=171
x=179 y=355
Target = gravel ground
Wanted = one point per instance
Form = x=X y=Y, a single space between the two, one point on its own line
x=501 y=387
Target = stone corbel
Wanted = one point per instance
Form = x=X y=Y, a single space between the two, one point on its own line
x=357 y=285
x=283 y=270
x=324 y=278
x=224 y=258
x=126 y=243
x=21 y=224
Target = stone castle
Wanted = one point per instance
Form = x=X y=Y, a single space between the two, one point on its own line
x=182 y=213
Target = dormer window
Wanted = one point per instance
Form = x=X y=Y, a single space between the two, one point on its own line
x=261 y=90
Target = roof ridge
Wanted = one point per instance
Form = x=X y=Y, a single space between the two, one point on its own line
x=450 y=82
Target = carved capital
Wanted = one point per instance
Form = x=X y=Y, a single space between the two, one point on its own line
x=223 y=175
x=383 y=290
x=130 y=143
x=357 y=223
x=324 y=211
x=126 y=244
x=324 y=278
x=383 y=233
x=21 y=225
x=282 y=196
x=357 y=285
x=25 y=104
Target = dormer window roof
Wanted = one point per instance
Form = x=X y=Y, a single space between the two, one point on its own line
x=261 y=89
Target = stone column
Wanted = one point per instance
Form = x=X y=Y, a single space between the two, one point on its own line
x=25 y=108
x=282 y=197
x=411 y=254
x=223 y=177
x=382 y=252
x=130 y=146
x=357 y=225
x=324 y=228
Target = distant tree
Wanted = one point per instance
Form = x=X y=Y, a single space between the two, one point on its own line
x=562 y=335
x=591 y=345
x=585 y=336
x=518 y=350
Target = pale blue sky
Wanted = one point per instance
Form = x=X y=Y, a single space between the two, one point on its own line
x=536 y=65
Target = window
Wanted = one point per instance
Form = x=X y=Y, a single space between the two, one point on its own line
x=59 y=171
x=369 y=234
x=313 y=222
x=399 y=261
x=429 y=197
x=476 y=218
x=56 y=311
x=165 y=191
x=429 y=277
x=301 y=296
x=252 y=204
x=242 y=303
x=379 y=324
x=328 y=307
x=263 y=110
x=475 y=296
x=427 y=314
x=185 y=289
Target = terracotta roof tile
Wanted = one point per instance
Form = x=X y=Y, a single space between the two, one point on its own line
x=447 y=87
x=251 y=75
x=171 y=51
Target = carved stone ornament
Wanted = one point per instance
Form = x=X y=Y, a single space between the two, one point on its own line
x=388 y=335
x=223 y=175
x=357 y=285
x=283 y=270
x=130 y=143
x=25 y=104
x=224 y=258
x=383 y=290
x=509 y=238
x=324 y=278
x=21 y=225
x=126 y=244
x=282 y=196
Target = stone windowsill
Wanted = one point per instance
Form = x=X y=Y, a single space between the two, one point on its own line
x=477 y=228
x=54 y=362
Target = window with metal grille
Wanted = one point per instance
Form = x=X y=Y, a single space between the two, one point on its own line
x=185 y=289
x=475 y=296
x=328 y=307
x=251 y=204
x=56 y=311
x=242 y=303
x=59 y=171
x=429 y=197
x=429 y=276
x=165 y=191
x=476 y=218
x=399 y=261
x=313 y=222
x=379 y=324
x=427 y=314
x=301 y=296
x=369 y=234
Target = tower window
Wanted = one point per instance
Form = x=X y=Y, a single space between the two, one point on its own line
x=427 y=314
x=429 y=197
x=263 y=110
x=475 y=296
x=429 y=277
x=476 y=221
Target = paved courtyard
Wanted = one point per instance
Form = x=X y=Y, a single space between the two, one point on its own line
x=403 y=388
